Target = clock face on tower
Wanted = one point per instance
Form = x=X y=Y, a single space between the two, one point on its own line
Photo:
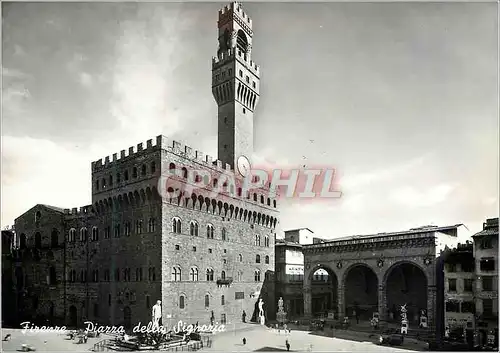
x=243 y=165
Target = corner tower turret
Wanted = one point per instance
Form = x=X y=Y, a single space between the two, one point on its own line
x=235 y=84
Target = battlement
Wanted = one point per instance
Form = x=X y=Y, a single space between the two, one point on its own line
x=132 y=152
x=234 y=8
x=75 y=211
x=162 y=143
x=230 y=55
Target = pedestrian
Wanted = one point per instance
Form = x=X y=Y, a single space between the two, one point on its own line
x=244 y=316
x=244 y=341
x=287 y=346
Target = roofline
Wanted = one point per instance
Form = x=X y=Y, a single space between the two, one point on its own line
x=378 y=235
x=293 y=230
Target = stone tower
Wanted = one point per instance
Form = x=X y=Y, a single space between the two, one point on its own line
x=235 y=84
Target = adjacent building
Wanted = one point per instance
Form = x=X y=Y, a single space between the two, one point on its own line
x=459 y=293
x=207 y=258
x=289 y=273
x=486 y=286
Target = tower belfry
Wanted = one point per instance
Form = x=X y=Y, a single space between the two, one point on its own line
x=235 y=84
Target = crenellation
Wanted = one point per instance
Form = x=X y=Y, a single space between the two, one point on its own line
x=130 y=151
x=149 y=143
x=229 y=55
x=209 y=159
x=199 y=155
x=218 y=163
x=115 y=157
x=228 y=167
x=188 y=151
x=176 y=146
x=74 y=210
x=106 y=160
x=139 y=147
x=122 y=154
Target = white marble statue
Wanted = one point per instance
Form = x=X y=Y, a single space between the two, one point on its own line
x=156 y=314
x=280 y=304
x=261 y=307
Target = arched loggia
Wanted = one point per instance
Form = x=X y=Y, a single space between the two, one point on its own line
x=406 y=284
x=361 y=293
x=324 y=289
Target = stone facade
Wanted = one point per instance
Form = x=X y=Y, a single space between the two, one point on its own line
x=207 y=253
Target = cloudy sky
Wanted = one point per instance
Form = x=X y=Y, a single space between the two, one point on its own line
x=400 y=98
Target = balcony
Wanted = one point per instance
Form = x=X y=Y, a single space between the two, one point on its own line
x=224 y=281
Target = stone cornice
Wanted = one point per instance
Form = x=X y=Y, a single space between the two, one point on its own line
x=373 y=243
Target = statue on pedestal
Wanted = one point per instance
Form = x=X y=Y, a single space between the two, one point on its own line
x=261 y=312
x=404 y=320
x=281 y=314
x=156 y=314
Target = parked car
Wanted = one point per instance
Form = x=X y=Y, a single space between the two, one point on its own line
x=391 y=339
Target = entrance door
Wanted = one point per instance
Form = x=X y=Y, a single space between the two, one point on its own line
x=127 y=317
x=73 y=318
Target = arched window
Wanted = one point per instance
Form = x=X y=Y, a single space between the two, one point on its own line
x=52 y=276
x=134 y=172
x=223 y=275
x=257 y=259
x=22 y=241
x=143 y=170
x=274 y=203
x=127 y=229
x=83 y=234
x=222 y=300
x=207 y=301
x=193 y=274
x=38 y=215
x=72 y=235
x=210 y=275
x=215 y=182
x=171 y=168
x=255 y=197
x=240 y=276
x=193 y=228
x=110 y=180
x=184 y=173
x=268 y=201
x=95 y=234
x=257 y=240
x=54 y=238
x=153 y=167
x=125 y=175
x=210 y=231
x=38 y=241
x=176 y=274
x=151 y=225
x=181 y=302
x=266 y=259
x=266 y=241
x=224 y=236
x=239 y=191
x=138 y=226
x=261 y=199
x=176 y=225
x=240 y=257
x=257 y=276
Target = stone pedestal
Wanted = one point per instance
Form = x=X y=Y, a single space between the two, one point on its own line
x=262 y=320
